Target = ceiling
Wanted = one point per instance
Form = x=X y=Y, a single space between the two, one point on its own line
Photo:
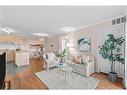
x=28 y=20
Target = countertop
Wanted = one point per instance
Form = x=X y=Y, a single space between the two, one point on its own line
x=1 y=52
x=21 y=51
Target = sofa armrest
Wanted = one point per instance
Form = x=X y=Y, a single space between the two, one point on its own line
x=89 y=63
x=46 y=60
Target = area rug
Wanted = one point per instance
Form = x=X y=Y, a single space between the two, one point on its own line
x=53 y=80
x=12 y=69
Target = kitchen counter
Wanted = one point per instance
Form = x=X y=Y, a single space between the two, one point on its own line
x=10 y=54
x=1 y=52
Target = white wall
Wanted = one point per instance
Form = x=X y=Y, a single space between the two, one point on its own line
x=54 y=40
x=32 y=41
x=1 y=15
x=125 y=77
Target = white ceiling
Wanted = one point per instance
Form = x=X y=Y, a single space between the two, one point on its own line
x=51 y=19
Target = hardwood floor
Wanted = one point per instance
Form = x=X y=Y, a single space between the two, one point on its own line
x=28 y=80
x=105 y=83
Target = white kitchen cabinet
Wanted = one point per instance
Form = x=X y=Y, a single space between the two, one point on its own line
x=21 y=58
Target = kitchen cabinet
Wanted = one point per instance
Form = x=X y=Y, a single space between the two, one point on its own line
x=21 y=58
x=11 y=39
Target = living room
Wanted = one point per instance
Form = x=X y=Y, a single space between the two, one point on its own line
x=66 y=50
x=96 y=37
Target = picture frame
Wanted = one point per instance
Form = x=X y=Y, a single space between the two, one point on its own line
x=84 y=44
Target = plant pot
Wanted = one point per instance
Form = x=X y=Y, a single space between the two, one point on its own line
x=62 y=60
x=112 y=76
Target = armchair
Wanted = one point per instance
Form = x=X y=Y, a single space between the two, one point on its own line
x=50 y=60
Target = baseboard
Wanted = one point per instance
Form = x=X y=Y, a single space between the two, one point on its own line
x=10 y=62
x=107 y=74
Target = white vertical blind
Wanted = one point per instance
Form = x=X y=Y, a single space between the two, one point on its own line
x=104 y=65
x=125 y=81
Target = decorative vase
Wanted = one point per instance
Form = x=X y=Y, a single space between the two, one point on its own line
x=113 y=77
x=62 y=60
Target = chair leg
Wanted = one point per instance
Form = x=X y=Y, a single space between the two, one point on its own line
x=47 y=67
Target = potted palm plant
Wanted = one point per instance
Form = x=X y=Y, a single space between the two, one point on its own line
x=111 y=50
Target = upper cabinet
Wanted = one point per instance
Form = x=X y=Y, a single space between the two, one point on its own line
x=11 y=39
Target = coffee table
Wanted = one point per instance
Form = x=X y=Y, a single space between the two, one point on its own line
x=65 y=69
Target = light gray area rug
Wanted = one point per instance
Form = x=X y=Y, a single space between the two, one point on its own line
x=54 y=81
x=12 y=69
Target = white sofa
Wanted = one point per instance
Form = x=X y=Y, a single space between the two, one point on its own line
x=50 y=60
x=86 y=67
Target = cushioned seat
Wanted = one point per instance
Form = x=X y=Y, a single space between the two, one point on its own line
x=86 y=66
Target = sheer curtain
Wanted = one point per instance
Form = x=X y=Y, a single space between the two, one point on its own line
x=125 y=65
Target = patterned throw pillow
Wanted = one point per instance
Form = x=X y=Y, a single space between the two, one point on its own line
x=85 y=59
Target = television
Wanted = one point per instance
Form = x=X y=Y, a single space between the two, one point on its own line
x=2 y=68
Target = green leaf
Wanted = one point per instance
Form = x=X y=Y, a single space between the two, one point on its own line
x=111 y=48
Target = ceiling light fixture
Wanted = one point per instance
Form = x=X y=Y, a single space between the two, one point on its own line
x=7 y=30
x=41 y=34
x=68 y=29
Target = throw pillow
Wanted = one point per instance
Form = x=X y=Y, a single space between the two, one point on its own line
x=77 y=60
x=86 y=59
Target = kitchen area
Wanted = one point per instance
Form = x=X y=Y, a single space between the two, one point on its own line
x=19 y=50
x=14 y=45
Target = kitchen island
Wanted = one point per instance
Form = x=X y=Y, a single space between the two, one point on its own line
x=21 y=58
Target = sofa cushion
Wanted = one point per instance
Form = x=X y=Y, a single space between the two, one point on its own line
x=77 y=60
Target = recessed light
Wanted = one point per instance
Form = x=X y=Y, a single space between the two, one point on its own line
x=68 y=29
x=41 y=34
